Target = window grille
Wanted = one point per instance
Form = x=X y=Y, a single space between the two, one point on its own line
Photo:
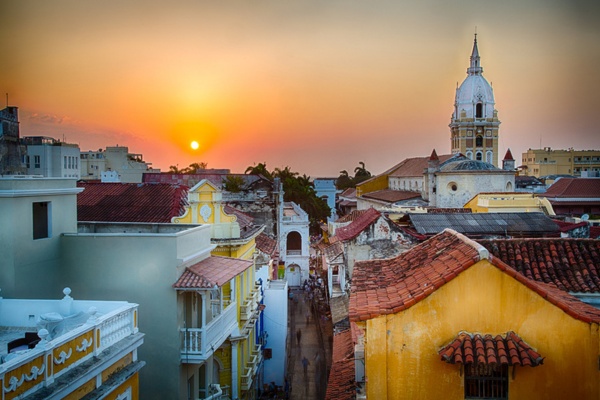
x=486 y=381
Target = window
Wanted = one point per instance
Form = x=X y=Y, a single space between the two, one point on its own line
x=486 y=381
x=479 y=141
x=294 y=243
x=27 y=162
x=65 y=163
x=36 y=162
x=488 y=157
x=479 y=156
x=479 y=110
x=453 y=186
x=41 y=220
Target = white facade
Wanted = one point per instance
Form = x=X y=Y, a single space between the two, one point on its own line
x=294 y=240
x=129 y=166
x=51 y=158
x=276 y=330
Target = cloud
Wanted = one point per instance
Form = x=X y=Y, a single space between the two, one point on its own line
x=37 y=118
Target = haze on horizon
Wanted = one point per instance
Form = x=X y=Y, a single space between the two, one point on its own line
x=317 y=86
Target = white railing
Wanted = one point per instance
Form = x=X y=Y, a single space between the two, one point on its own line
x=197 y=342
x=294 y=252
x=251 y=367
x=250 y=305
x=50 y=359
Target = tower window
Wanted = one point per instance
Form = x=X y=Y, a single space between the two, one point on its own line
x=479 y=141
x=478 y=156
x=479 y=110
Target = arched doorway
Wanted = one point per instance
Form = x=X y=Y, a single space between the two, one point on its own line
x=293 y=275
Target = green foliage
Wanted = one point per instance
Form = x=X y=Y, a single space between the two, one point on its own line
x=298 y=189
x=233 y=183
x=194 y=168
x=345 y=181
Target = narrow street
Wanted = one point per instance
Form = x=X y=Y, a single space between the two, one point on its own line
x=314 y=345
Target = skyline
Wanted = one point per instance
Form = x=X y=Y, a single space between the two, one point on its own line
x=316 y=87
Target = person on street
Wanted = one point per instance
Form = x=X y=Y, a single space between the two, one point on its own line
x=298 y=336
x=305 y=364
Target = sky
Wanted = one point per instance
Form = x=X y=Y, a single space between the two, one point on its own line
x=316 y=85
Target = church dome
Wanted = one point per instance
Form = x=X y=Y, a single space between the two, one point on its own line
x=467 y=165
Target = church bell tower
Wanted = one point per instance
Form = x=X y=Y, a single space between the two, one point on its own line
x=474 y=123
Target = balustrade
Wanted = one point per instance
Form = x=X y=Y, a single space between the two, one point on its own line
x=198 y=342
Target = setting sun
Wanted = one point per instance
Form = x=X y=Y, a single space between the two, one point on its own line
x=194 y=145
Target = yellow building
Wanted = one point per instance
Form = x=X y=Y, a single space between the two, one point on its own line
x=545 y=162
x=447 y=320
x=232 y=231
x=509 y=202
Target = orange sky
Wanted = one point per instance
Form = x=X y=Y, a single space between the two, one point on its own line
x=314 y=85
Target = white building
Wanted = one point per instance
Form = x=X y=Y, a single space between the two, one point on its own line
x=325 y=189
x=50 y=157
x=294 y=242
x=68 y=349
x=129 y=166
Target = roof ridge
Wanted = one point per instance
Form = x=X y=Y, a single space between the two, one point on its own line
x=484 y=253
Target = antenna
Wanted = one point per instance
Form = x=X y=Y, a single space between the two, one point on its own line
x=6 y=100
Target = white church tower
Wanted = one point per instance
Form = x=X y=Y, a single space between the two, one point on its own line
x=474 y=123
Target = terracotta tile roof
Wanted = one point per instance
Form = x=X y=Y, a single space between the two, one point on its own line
x=341 y=383
x=595 y=232
x=573 y=265
x=415 y=166
x=391 y=196
x=333 y=252
x=358 y=225
x=130 y=202
x=351 y=217
x=348 y=193
x=266 y=244
x=574 y=188
x=246 y=221
x=391 y=285
x=381 y=287
x=508 y=156
x=509 y=349
x=214 y=270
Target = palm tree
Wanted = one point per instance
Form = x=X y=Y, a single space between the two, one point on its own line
x=344 y=181
x=361 y=173
x=194 y=168
x=259 y=169
x=173 y=169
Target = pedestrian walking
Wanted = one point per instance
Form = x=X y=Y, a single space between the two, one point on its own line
x=305 y=364
x=307 y=317
x=298 y=336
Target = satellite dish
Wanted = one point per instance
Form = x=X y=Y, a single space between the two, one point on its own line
x=585 y=217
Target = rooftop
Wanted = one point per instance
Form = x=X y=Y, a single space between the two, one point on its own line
x=210 y=272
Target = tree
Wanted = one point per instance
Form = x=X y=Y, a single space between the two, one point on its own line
x=194 y=168
x=360 y=173
x=173 y=169
x=260 y=169
x=344 y=181
x=233 y=183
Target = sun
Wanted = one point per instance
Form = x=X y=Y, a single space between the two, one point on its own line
x=194 y=145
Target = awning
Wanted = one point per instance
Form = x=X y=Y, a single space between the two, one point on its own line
x=509 y=349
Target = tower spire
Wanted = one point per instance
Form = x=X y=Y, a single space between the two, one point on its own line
x=475 y=68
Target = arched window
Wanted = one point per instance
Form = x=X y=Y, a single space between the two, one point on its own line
x=479 y=156
x=479 y=110
x=479 y=141
x=294 y=243
x=469 y=155
x=488 y=157
x=509 y=187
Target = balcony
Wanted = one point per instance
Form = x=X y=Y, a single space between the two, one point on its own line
x=250 y=306
x=251 y=367
x=197 y=344
x=74 y=332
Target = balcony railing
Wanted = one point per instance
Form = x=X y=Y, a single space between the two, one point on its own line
x=197 y=344
x=53 y=357
x=250 y=305
x=294 y=252
x=251 y=367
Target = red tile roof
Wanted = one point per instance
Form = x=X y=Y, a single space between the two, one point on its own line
x=573 y=265
x=266 y=244
x=392 y=285
x=341 y=384
x=348 y=193
x=358 y=225
x=509 y=349
x=574 y=188
x=130 y=202
x=246 y=221
x=351 y=217
x=391 y=196
x=595 y=232
x=564 y=226
x=214 y=270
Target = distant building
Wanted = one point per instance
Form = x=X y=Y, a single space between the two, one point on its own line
x=547 y=162
x=509 y=202
x=129 y=166
x=51 y=158
x=574 y=197
x=325 y=189
x=474 y=123
x=11 y=150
